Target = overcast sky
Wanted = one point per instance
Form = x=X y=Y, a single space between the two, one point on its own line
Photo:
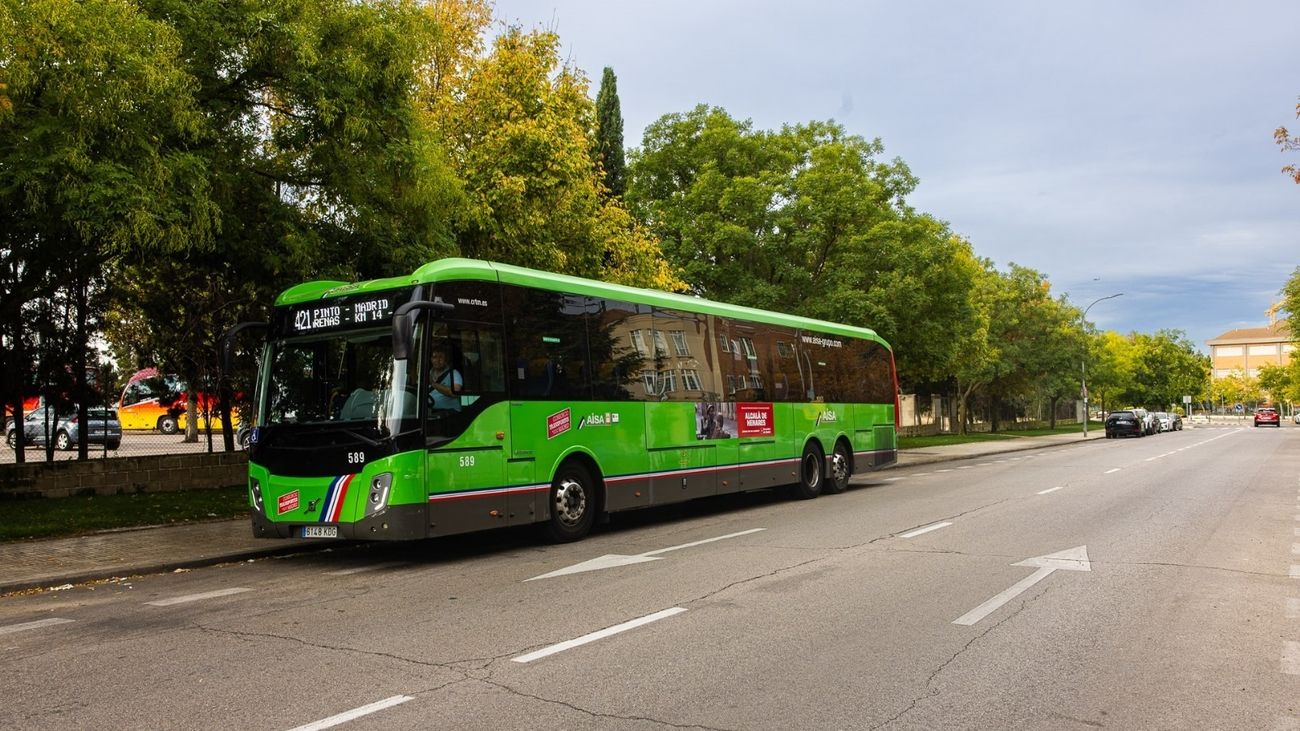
x=1114 y=146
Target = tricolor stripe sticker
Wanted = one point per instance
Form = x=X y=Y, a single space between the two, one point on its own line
x=334 y=498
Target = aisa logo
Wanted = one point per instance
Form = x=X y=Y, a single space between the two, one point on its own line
x=604 y=419
x=827 y=417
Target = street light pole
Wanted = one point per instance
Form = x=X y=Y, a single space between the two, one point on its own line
x=1083 y=364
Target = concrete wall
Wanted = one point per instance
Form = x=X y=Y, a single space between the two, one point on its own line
x=122 y=475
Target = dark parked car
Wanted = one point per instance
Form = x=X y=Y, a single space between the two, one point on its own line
x=1267 y=417
x=105 y=429
x=1122 y=423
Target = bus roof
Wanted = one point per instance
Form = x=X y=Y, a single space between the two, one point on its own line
x=454 y=269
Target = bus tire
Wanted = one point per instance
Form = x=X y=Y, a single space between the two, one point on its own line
x=811 y=472
x=841 y=469
x=572 y=504
x=168 y=424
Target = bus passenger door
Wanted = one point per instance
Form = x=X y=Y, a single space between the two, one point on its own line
x=467 y=437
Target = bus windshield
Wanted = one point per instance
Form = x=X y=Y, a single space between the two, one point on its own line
x=340 y=378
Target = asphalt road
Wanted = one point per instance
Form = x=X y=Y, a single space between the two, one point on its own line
x=901 y=604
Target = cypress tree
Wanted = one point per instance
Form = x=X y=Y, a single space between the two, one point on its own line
x=609 y=134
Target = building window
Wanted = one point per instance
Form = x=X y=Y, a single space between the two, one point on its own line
x=638 y=342
x=748 y=345
x=1262 y=350
x=1224 y=351
x=668 y=379
x=679 y=343
x=783 y=349
x=724 y=344
x=691 y=379
x=661 y=345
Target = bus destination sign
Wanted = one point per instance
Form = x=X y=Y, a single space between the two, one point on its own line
x=343 y=312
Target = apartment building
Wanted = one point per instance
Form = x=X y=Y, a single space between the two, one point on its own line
x=1249 y=348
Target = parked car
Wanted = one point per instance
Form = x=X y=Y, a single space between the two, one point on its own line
x=1148 y=421
x=1124 y=423
x=1164 y=421
x=1296 y=417
x=1267 y=417
x=1176 y=421
x=64 y=430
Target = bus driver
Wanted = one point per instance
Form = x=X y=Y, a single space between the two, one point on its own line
x=446 y=381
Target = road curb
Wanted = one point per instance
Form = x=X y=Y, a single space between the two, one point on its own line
x=922 y=459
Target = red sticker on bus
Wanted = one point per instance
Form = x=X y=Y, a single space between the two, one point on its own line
x=557 y=424
x=287 y=502
x=754 y=420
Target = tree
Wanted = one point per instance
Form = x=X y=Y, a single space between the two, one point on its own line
x=1291 y=304
x=1288 y=143
x=517 y=122
x=96 y=164
x=805 y=220
x=609 y=134
x=321 y=167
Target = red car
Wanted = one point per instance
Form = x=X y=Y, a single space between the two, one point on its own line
x=1267 y=417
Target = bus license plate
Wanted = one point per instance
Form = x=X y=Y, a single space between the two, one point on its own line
x=320 y=531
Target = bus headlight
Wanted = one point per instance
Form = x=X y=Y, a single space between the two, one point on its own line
x=377 y=500
x=255 y=489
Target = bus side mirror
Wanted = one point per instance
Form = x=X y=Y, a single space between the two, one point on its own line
x=228 y=341
x=403 y=326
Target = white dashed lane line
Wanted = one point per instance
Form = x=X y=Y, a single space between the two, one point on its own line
x=1291 y=658
x=1109 y=472
x=7 y=629
x=354 y=714
x=1051 y=489
x=600 y=635
x=926 y=529
x=197 y=597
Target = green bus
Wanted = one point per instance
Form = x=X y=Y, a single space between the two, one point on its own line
x=472 y=395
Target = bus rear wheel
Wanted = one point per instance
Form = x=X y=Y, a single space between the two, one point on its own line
x=573 y=504
x=810 y=473
x=841 y=470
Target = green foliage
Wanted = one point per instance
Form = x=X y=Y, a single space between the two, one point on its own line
x=1291 y=304
x=1156 y=370
x=609 y=134
x=518 y=125
x=804 y=220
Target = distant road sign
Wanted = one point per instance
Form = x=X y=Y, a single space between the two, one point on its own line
x=1187 y=399
x=1238 y=408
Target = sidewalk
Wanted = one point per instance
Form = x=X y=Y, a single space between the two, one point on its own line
x=58 y=562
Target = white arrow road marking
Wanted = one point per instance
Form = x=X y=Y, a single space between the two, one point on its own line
x=355 y=713
x=613 y=560
x=600 y=635
x=1074 y=559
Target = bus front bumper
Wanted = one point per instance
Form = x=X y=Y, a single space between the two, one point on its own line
x=396 y=523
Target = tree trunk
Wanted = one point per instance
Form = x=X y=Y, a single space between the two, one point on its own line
x=79 y=366
x=1051 y=418
x=191 y=413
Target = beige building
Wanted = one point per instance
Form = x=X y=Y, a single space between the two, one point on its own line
x=1249 y=348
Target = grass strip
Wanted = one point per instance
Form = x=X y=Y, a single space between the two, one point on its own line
x=71 y=516
x=940 y=440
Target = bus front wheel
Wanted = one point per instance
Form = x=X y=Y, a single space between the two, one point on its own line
x=573 y=504
x=841 y=469
x=810 y=473
x=168 y=424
